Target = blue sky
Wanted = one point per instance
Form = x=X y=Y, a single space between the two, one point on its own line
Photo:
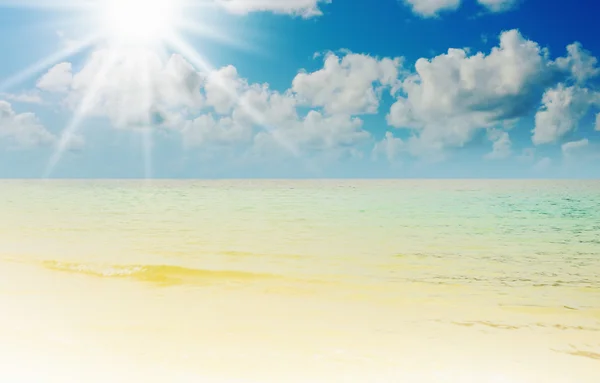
x=299 y=88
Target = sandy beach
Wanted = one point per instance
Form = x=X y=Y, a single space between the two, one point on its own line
x=301 y=312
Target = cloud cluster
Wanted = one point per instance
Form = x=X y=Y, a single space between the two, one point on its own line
x=498 y=5
x=58 y=79
x=453 y=96
x=561 y=111
x=346 y=85
x=389 y=147
x=445 y=102
x=32 y=97
x=131 y=88
x=318 y=112
x=569 y=147
x=501 y=147
x=304 y=8
x=432 y=8
x=22 y=130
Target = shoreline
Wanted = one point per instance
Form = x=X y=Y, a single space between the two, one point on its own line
x=270 y=336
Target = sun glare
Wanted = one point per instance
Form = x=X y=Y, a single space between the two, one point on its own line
x=139 y=21
x=131 y=29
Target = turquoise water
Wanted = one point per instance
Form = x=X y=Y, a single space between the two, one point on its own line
x=499 y=222
x=516 y=260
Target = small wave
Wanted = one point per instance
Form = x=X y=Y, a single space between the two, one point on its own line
x=501 y=326
x=582 y=353
x=165 y=275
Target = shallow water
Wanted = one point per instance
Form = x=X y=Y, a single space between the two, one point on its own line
x=357 y=281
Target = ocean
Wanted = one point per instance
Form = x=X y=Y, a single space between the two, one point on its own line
x=300 y=281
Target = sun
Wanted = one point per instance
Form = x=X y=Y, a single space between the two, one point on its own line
x=139 y=22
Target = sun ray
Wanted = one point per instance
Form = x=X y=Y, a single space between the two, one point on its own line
x=131 y=24
x=46 y=62
x=191 y=54
x=78 y=116
x=212 y=33
x=50 y=4
x=147 y=142
x=147 y=134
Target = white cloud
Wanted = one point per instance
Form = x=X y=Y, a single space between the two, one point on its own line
x=431 y=8
x=255 y=104
x=131 y=88
x=76 y=143
x=222 y=89
x=22 y=130
x=501 y=147
x=276 y=117
x=390 y=147
x=261 y=106
x=570 y=147
x=304 y=8
x=206 y=130
x=25 y=98
x=347 y=84
x=217 y=108
x=58 y=79
x=324 y=132
x=580 y=62
x=313 y=133
x=246 y=108
x=562 y=109
x=498 y=5
x=445 y=102
x=453 y=95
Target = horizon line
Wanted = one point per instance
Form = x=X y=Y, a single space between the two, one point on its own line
x=295 y=179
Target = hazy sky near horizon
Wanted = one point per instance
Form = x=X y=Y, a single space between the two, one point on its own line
x=299 y=88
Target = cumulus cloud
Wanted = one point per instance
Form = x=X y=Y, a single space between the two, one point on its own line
x=222 y=108
x=314 y=133
x=58 y=79
x=445 y=102
x=573 y=146
x=130 y=88
x=501 y=147
x=227 y=93
x=431 y=8
x=24 y=98
x=498 y=5
x=22 y=130
x=262 y=106
x=389 y=147
x=222 y=88
x=324 y=132
x=275 y=116
x=454 y=95
x=76 y=143
x=562 y=109
x=304 y=8
x=348 y=84
x=208 y=130
x=580 y=62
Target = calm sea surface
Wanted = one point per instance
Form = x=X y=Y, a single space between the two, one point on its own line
x=333 y=281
